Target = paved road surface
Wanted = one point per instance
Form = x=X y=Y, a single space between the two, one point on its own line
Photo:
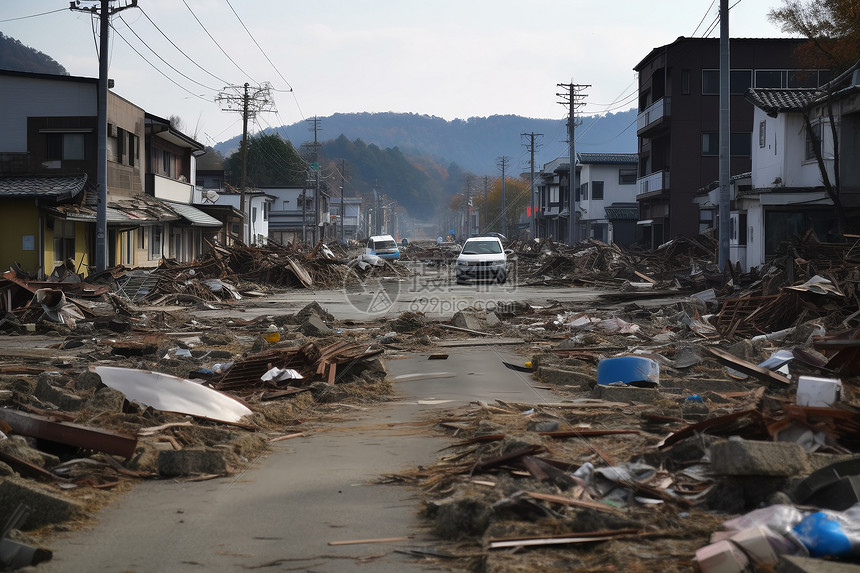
x=282 y=512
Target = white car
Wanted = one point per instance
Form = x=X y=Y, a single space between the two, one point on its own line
x=383 y=246
x=482 y=258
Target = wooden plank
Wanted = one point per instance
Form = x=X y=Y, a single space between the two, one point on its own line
x=748 y=367
x=380 y=540
x=645 y=277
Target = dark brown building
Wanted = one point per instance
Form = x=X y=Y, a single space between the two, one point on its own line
x=678 y=123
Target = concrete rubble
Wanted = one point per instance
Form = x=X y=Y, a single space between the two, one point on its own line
x=755 y=405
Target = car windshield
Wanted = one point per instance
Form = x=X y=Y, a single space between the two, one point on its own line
x=389 y=244
x=482 y=248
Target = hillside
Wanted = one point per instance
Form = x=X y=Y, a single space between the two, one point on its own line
x=20 y=58
x=474 y=144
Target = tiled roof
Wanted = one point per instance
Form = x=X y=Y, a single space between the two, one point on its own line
x=55 y=187
x=608 y=158
x=778 y=100
x=137 y=210
x=622 y=211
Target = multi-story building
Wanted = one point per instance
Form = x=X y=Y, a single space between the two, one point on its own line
x=48 y=167
x=678 y=123
x=606 y=201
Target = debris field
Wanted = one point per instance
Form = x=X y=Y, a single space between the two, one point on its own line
x=750 y=402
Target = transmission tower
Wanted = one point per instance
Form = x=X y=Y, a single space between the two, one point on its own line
x=249 y=101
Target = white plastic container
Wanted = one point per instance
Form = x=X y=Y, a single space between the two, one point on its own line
x=818 y=392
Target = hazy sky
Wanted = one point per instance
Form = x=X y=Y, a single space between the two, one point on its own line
x=446 y=58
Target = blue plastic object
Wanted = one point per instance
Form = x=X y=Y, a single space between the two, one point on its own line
x=822 y=534
x=633 y=370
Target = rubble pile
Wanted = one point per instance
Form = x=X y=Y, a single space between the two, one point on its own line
x=97 y=412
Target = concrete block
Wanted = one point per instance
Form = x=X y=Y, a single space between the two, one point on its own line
x=468 y=320
x=738 y=457
x=173 y=463
x=626 y=394
x=560 y=377
x=315 y=326
x=88 y=380
x=64 y=400
x=46 y=506
x=795 y=564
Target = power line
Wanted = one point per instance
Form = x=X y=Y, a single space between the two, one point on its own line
x=33 y=15
x=258 y=45
x=190 y=59
x=216 y=43
x=177 y=84
x=168 y=64
x=693 y=35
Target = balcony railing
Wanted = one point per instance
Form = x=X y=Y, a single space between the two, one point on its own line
x=654 y=112
x=658 y=181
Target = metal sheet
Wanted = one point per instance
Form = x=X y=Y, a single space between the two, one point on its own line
x=172 y=394
x=44 y=428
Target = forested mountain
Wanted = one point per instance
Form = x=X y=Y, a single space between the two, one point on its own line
x=474 y=144
x=20 y=58
x=422 y=161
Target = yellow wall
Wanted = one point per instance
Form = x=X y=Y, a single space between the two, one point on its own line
x=81 y=255
x=19 y=218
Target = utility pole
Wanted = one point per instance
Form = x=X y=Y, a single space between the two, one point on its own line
x=104 y=11
x=531 y=147
x=315 y=127
x=249 y=102
x=486 y=218
x=468 y=207
x=342 y=188
x=725 y=158
x=573 y=99
x=503 y=163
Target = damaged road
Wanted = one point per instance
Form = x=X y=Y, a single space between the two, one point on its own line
x=313 y=501
x=662 y=416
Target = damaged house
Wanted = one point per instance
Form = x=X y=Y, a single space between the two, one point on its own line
x=48 y=173
x=789 y=193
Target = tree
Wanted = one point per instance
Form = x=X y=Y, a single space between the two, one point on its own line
x=517 y=198
x=833 y=30
x=212 y=159
x=831 y=26
x=271 y=162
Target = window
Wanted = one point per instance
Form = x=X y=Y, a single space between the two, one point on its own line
x=739 y=82
x=584 y=193
x=627 y=176
x=155 y=242
x=685 y=81
x=597 y=190
x=770 y=78
x=266 y=211
x=710 y=144
x=710 y=82
x=813 y=141
x=740 y=145
x=64 y=240
x=65 y=146
x=762 y=134
x=132 y=149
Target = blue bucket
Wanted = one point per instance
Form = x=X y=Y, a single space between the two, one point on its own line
x=633 y=370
